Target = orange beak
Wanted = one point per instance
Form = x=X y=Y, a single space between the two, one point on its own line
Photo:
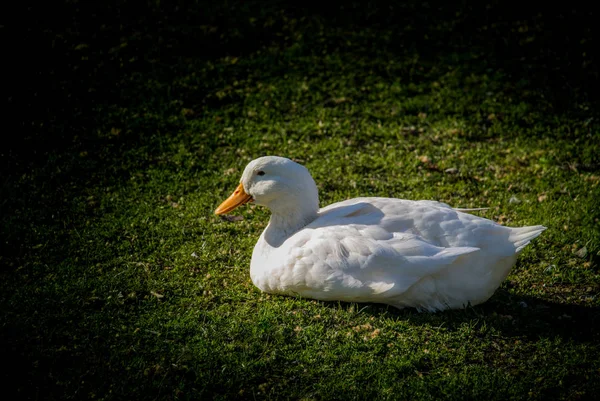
x=237 y=198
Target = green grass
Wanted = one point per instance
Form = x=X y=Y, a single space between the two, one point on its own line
x=118 y=282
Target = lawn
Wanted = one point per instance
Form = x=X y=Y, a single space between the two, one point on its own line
x=136 y=121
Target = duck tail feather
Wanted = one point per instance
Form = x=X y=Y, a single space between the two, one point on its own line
x=521 y=236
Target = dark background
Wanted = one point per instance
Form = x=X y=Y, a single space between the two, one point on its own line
x=549 y=47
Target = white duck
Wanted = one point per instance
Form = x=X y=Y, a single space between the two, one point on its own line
x=421 y=254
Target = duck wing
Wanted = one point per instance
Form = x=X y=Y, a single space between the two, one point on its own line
x=347 y=254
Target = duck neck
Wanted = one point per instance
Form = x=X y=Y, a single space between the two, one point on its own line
x=284 y=223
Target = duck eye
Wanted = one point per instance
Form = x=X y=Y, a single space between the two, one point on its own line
x=260 y=173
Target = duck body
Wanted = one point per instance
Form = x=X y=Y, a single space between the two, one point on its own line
x=421 y=254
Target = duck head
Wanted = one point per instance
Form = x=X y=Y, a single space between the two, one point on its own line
x=283 y=186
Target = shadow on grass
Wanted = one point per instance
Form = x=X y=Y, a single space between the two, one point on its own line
x=513 y=316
